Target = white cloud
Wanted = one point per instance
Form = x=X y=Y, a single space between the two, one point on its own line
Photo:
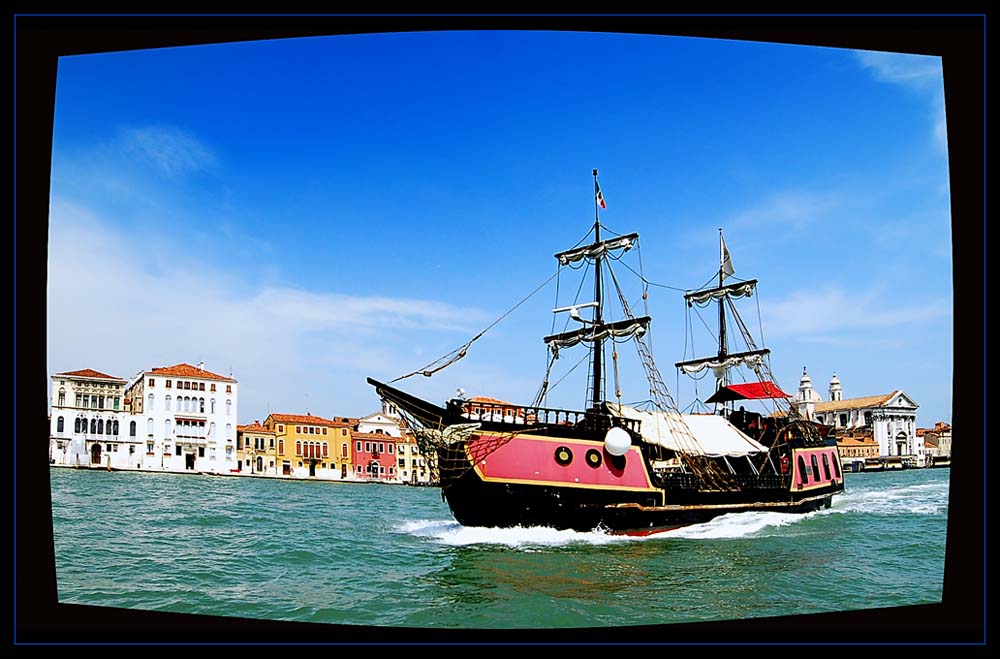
x=915 y=71
x=111 y=308
x=170 y=149
x=920 y=73
x=792 y=209
x=812 y=313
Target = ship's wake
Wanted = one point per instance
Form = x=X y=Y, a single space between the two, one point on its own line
x=924 y=499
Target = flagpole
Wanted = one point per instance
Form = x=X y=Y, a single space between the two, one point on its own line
x=597 y=393
x=722 y=315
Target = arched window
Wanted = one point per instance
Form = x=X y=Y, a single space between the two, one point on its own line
x=802 y=470
x=229 y=406
x=59 y=425
x=131 y=429
x=826 y=466
x=166 y=429
x=167 y=403
x=116 y=429
x=343 y=450
x=100 y=427
x=843 y=420
x=326 y=452
x=150 y=403
x=62 y=397
x=76 y=425
x=836 y=467
x=298 y=448
x=149 y=427
x=229 y=431
x=201 y=405
x=213 y=406
x=211 y=430
x=815 y=466
x=93 y=426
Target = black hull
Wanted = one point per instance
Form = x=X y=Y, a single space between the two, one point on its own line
x=475 y=502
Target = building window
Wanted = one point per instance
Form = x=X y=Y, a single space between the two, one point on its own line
x=93 y=426
x=149 y=448
x=152 y=383
x=166 y=402
x=149 y=427
x=211 y=388
x=343 y=450
x=201 y=451
x=86 y=400
x=59 y=425
x=298 y=449
x=229 y=405
x=150 y=408
x=167 y=384
x=229 y=388
x=868 y=419
x=62 y=398
x=843 y=420
x=324 y=431
x=117 y=401
x=381 y=447
x=358 y=447
x=178 y=449
x=212 y=406
x=166 y=429
x=326 y=452
x=201 y=405
x=76 y=425
x=391 y=448
x=281 y=427
x=201 y=386
x=281 y=446
x=271 y=442
x=368 y=447
x=229 y=431
x=187 y=386
x=401 y=462
x=115 y=431
x=79 y=400
x=343 y=432
x=107 y=447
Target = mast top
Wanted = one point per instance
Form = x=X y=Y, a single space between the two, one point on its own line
x=595 y=172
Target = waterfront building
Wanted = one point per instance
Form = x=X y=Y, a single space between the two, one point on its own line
x=856 y=445
x=256 y=450
x=891 y=417
x=185 y=416
x=86 y=425
x=374 y=455
x=311 y=446
x=936 y=441
x=412 y=466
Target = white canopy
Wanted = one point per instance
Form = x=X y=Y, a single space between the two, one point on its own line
x=714 y=435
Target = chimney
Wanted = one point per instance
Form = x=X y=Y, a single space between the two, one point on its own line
x=201 y=365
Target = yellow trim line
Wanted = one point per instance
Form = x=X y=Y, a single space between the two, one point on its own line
x=764 y=504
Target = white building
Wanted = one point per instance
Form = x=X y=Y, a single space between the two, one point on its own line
x=87 y=421
x=186 y=418
x=892 y=417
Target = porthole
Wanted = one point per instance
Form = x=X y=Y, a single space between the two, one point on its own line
x=594 y=458
x=563 y=455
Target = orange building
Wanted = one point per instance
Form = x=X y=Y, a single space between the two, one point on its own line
x=311 y=446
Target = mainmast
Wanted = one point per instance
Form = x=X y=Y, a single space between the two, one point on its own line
x=724 y=380
x=598 y=375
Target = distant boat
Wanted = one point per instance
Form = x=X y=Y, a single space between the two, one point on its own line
x=627 y=469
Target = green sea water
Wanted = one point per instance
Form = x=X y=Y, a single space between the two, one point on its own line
x=369 y=554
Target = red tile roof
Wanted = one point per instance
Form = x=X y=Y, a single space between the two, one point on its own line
x=253 y=427
x=854 y=403
x=308 y=419
x=188 y=371
x=487 y=399
x=91 y=373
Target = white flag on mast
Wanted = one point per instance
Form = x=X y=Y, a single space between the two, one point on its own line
x=727 y=261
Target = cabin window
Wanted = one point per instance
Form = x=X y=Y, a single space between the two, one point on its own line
x=802 y=470
x=826 y=466
x=815 y=467
x=563 y=455
x=836 y=466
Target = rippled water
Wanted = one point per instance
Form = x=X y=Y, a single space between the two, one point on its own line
x=392 y=555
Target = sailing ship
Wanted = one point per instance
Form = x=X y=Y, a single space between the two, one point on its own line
x=625 y=469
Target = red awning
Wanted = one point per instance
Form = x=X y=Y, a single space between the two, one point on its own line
x=748 y=391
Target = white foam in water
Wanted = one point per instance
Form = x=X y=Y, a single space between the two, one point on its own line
x=453 y=533
x=911 y=499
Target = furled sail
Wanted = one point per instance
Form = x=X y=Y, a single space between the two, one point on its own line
x=750 y=358
x=697 y=434
x=621 y=329
x=742 y=289
x=597 y=249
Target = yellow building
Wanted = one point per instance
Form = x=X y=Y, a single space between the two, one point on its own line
x=256 y=450
x=310 y=446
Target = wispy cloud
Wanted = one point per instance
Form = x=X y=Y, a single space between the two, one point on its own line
x=170 y=149
x=790 y=209
x=111 y=310
x=919 y=73
x=812 y=313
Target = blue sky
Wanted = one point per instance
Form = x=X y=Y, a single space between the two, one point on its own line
x=309 y=212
